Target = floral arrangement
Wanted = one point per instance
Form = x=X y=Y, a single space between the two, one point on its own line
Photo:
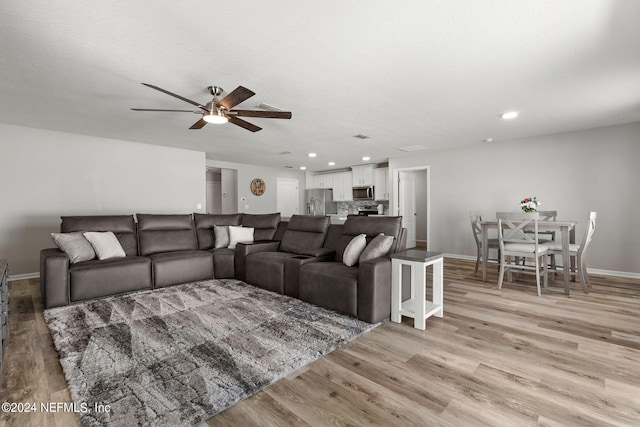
x=529 y=204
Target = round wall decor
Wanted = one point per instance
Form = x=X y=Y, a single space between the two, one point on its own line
x=258 y=187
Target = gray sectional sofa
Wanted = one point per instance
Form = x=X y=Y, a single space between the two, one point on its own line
x=301 y=258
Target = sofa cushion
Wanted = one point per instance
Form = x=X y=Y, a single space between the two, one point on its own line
x=238 y=233
x=95 y=278
x=174 y=268
x=354 y=249
x=223 y=263
x=105 y=244
x=205 y=223
x=266 y=270
x=304 y=232
x=123 y=226
x=264 y=225
x=379 y=246
x=75 y=245
x=165 y=233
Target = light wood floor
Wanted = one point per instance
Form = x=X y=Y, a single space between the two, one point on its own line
x=506 y=358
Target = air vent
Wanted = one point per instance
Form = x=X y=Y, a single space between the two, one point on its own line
x=289 y=167
x=284 y=152
x=413 y=148
x=361 y=136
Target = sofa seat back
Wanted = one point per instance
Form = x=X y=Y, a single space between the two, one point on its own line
x=165 y=233
x=123 y=226
x=264 y=225
x=304 y=232
x=369 y=225
x=204 y=227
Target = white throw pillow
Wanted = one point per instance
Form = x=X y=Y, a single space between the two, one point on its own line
x=354 y=249
x=239 y=234
x=376 y=248
x=220 y=236
x=105 y=244
x=74 y=245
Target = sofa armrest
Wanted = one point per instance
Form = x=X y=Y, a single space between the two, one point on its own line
x=54 y=277
x=292 y=271
x=243 y=250
x=374 y=290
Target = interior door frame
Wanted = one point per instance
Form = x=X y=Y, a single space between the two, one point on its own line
x=280 y=180
x=395 y=184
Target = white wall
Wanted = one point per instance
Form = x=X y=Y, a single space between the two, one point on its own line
x=266 y=203
x=45 y=174
x=573 y=173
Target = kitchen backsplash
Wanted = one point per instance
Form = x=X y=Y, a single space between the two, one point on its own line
x=345 y=208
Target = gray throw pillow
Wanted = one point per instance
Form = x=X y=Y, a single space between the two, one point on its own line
x=354 y=249
x=376 y=248
x=74 y=245
x=221 y=236
x=105 y=244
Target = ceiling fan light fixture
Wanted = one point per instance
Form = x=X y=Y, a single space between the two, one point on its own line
x=217 y=119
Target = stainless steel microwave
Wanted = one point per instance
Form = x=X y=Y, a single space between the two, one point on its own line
x=363 y=193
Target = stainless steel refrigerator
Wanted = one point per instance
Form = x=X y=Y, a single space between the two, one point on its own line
x=320 y=202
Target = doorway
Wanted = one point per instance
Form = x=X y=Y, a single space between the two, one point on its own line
x=222 y=191
x=411 y=195
x=287 y=202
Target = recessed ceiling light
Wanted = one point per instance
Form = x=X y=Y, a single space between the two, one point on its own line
x=509 y=115
x=366 y=158
x=488 y=140
x=312 y=154
x=303 y=168
x=332 y=163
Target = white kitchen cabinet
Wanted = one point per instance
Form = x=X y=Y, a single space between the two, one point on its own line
x=381 y=182
x=362 y=175
x=308 y=181
x=323 y=181
x=342 y=187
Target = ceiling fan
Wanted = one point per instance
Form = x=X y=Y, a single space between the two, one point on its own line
x=220 y=111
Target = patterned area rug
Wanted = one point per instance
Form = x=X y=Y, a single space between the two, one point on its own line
x=177 y=356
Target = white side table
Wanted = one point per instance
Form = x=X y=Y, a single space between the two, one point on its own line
x=416 y=307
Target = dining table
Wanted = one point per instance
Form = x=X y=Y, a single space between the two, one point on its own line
x=567 y=230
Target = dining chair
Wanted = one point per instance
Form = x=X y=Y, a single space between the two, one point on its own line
x=514 y=242
x=547 y=236
x=577 y=253
x=492 y=243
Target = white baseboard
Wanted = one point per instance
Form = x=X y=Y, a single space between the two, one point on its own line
x=26 y=276
x=613 y=273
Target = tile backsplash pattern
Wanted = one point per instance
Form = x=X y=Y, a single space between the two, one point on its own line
x=345 y=208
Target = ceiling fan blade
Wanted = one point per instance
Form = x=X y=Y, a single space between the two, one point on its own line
x=199 y=124
x=236 y=96
x=243 y=124
x=263 y=114
x=177 y=111
x=176 y=96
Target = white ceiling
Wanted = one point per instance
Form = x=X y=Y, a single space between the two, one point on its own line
x=432 y=73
